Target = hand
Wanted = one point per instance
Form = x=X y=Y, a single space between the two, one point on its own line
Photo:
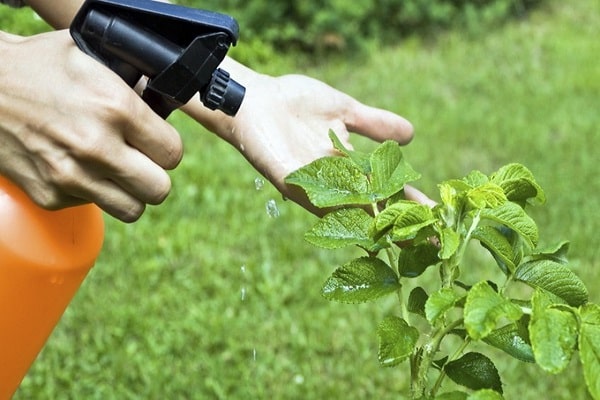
x=73 y=132
x=284 y=123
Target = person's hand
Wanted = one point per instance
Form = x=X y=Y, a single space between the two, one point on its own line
x=71 y=131
x=284 y=123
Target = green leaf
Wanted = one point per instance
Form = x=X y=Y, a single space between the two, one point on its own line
x=558 y=253
x=484 y=308
x=397 y=341
x=332 y=181
x=498 y=245
x=416 y=301
x=518 y=184
x=476 y=178
x=456 y=395
x=474 y=371
x=449 y=242
x=555 y=278
x=487 y=195
x=359 y=158
x=514 y=217
x=438 y=303
x=589 y=347
x=512 y=340
x=553 y=333
x=404 y=218
x=485 y=394
x=343 y=227
x=361 y=280
x=389 y=170
x=413 y=261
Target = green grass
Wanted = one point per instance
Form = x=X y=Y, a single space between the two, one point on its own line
x=161 y=316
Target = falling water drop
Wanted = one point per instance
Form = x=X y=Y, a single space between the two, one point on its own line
x=259 y=183
x=272 y=209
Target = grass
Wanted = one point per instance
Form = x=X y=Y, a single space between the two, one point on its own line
x=162 y=314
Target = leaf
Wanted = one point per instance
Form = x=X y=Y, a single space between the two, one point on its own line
x=488 y=195
x=449 y=242
x=514 y=217
x=361 y=280
x=498 y=245
x=555 y=278
x=343 y=227
x=475 y=178
x=389 y=170
x=553 y=333
x=397 y=341
x=456 y=395
x=404 y=219
x=474 y=371
x=416 y=301
x=413 y=261
x=484 y=308
x=518 y=184
x=332 y=181
x=589 y=347
x=359 y=158
x=438 y=303
x=558 y=253
x=485 y=394
x=512 y=340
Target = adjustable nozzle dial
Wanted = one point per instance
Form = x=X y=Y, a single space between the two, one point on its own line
x=223 y=93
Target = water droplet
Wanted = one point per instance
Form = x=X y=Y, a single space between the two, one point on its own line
x=254 y=354
x=298 y=379
x=272 y=209
x=57 y=280
x=259 y=183
x=243 y=269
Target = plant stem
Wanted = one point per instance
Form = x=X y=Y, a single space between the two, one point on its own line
x=429 y=349
x=457 y=353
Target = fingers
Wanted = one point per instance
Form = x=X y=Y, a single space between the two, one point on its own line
x=378 y=124
x=414 y=194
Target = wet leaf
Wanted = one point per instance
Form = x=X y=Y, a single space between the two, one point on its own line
x=484 y=308
x=456 y=395
x=485 y=394
x=361 y=280
x=514 y=217
x=558 y=253
x=553 y=333
x=474 y=371
x=449 y=242
x=589 y=347
x=511 y=339
x=359 y=158
x=498 y=245
x=403 y=220
x=397 y=341
x=389 y=170
x=488 y=195
x=439 y=302
x=416 y=301
x=555 y=278
x=340 y=228
x=413 y=261
x=518 y=184
x=332 y=181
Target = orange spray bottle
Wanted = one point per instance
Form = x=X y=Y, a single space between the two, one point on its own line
x=44 y=257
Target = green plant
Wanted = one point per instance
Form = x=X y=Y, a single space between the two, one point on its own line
x=537 y=312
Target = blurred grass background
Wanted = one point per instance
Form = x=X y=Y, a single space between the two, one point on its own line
x=208 y=297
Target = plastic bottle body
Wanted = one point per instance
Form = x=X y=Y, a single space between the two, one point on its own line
x=44 y=257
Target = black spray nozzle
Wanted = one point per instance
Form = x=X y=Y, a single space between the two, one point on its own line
x=177 y=48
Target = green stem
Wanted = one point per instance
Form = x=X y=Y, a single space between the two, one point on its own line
x=457 y=353
x=430 y=348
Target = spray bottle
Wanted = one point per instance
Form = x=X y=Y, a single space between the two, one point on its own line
x=45 y=255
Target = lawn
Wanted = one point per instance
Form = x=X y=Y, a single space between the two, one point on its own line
x=210 y=297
